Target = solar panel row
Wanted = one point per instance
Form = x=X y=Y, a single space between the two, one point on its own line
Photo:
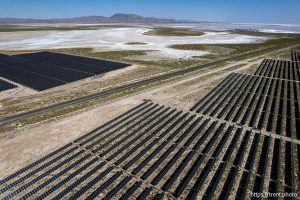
x=295 y=56
x=89 y=65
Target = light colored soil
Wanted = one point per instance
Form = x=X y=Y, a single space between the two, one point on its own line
x=176 y=94
x=115 y=39
x=29 y=144
x=168 y=56
x=119 y=72
x=19 y=91
x=26 y=34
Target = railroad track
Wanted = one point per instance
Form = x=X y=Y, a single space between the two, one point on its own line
x=129 y=86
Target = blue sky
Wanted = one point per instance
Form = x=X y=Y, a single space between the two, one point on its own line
x=251 y=11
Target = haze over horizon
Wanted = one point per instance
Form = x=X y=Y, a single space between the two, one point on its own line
x=255 y=11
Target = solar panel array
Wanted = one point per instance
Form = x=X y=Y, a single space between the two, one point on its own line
x=4 y=85
x=156 y=152
x=295 y=56
x=78 y=63
x=255 y=101
x=44 y=70
x=267 y=102
x=279 y=69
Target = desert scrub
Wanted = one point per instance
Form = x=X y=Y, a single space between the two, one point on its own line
x=202 y=47
x=173 y=32
x=136 y=43
x=232 y=49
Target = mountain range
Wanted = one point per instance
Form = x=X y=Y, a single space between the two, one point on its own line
x=116 y=18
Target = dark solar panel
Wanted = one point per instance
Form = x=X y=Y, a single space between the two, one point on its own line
x=45 y=70
x=4 y=85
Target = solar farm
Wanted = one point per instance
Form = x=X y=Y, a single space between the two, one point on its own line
x=243 y=137
x=45 y=70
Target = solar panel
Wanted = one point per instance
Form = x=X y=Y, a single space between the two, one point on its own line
x=4 y=85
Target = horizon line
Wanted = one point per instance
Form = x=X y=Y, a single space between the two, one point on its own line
x=176 y=20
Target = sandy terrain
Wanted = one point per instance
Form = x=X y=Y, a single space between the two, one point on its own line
x=117 y=39
x=15 y=92
x=18 y=151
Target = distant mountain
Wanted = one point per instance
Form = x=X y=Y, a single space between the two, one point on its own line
x=116 y=18
x=131 y=18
